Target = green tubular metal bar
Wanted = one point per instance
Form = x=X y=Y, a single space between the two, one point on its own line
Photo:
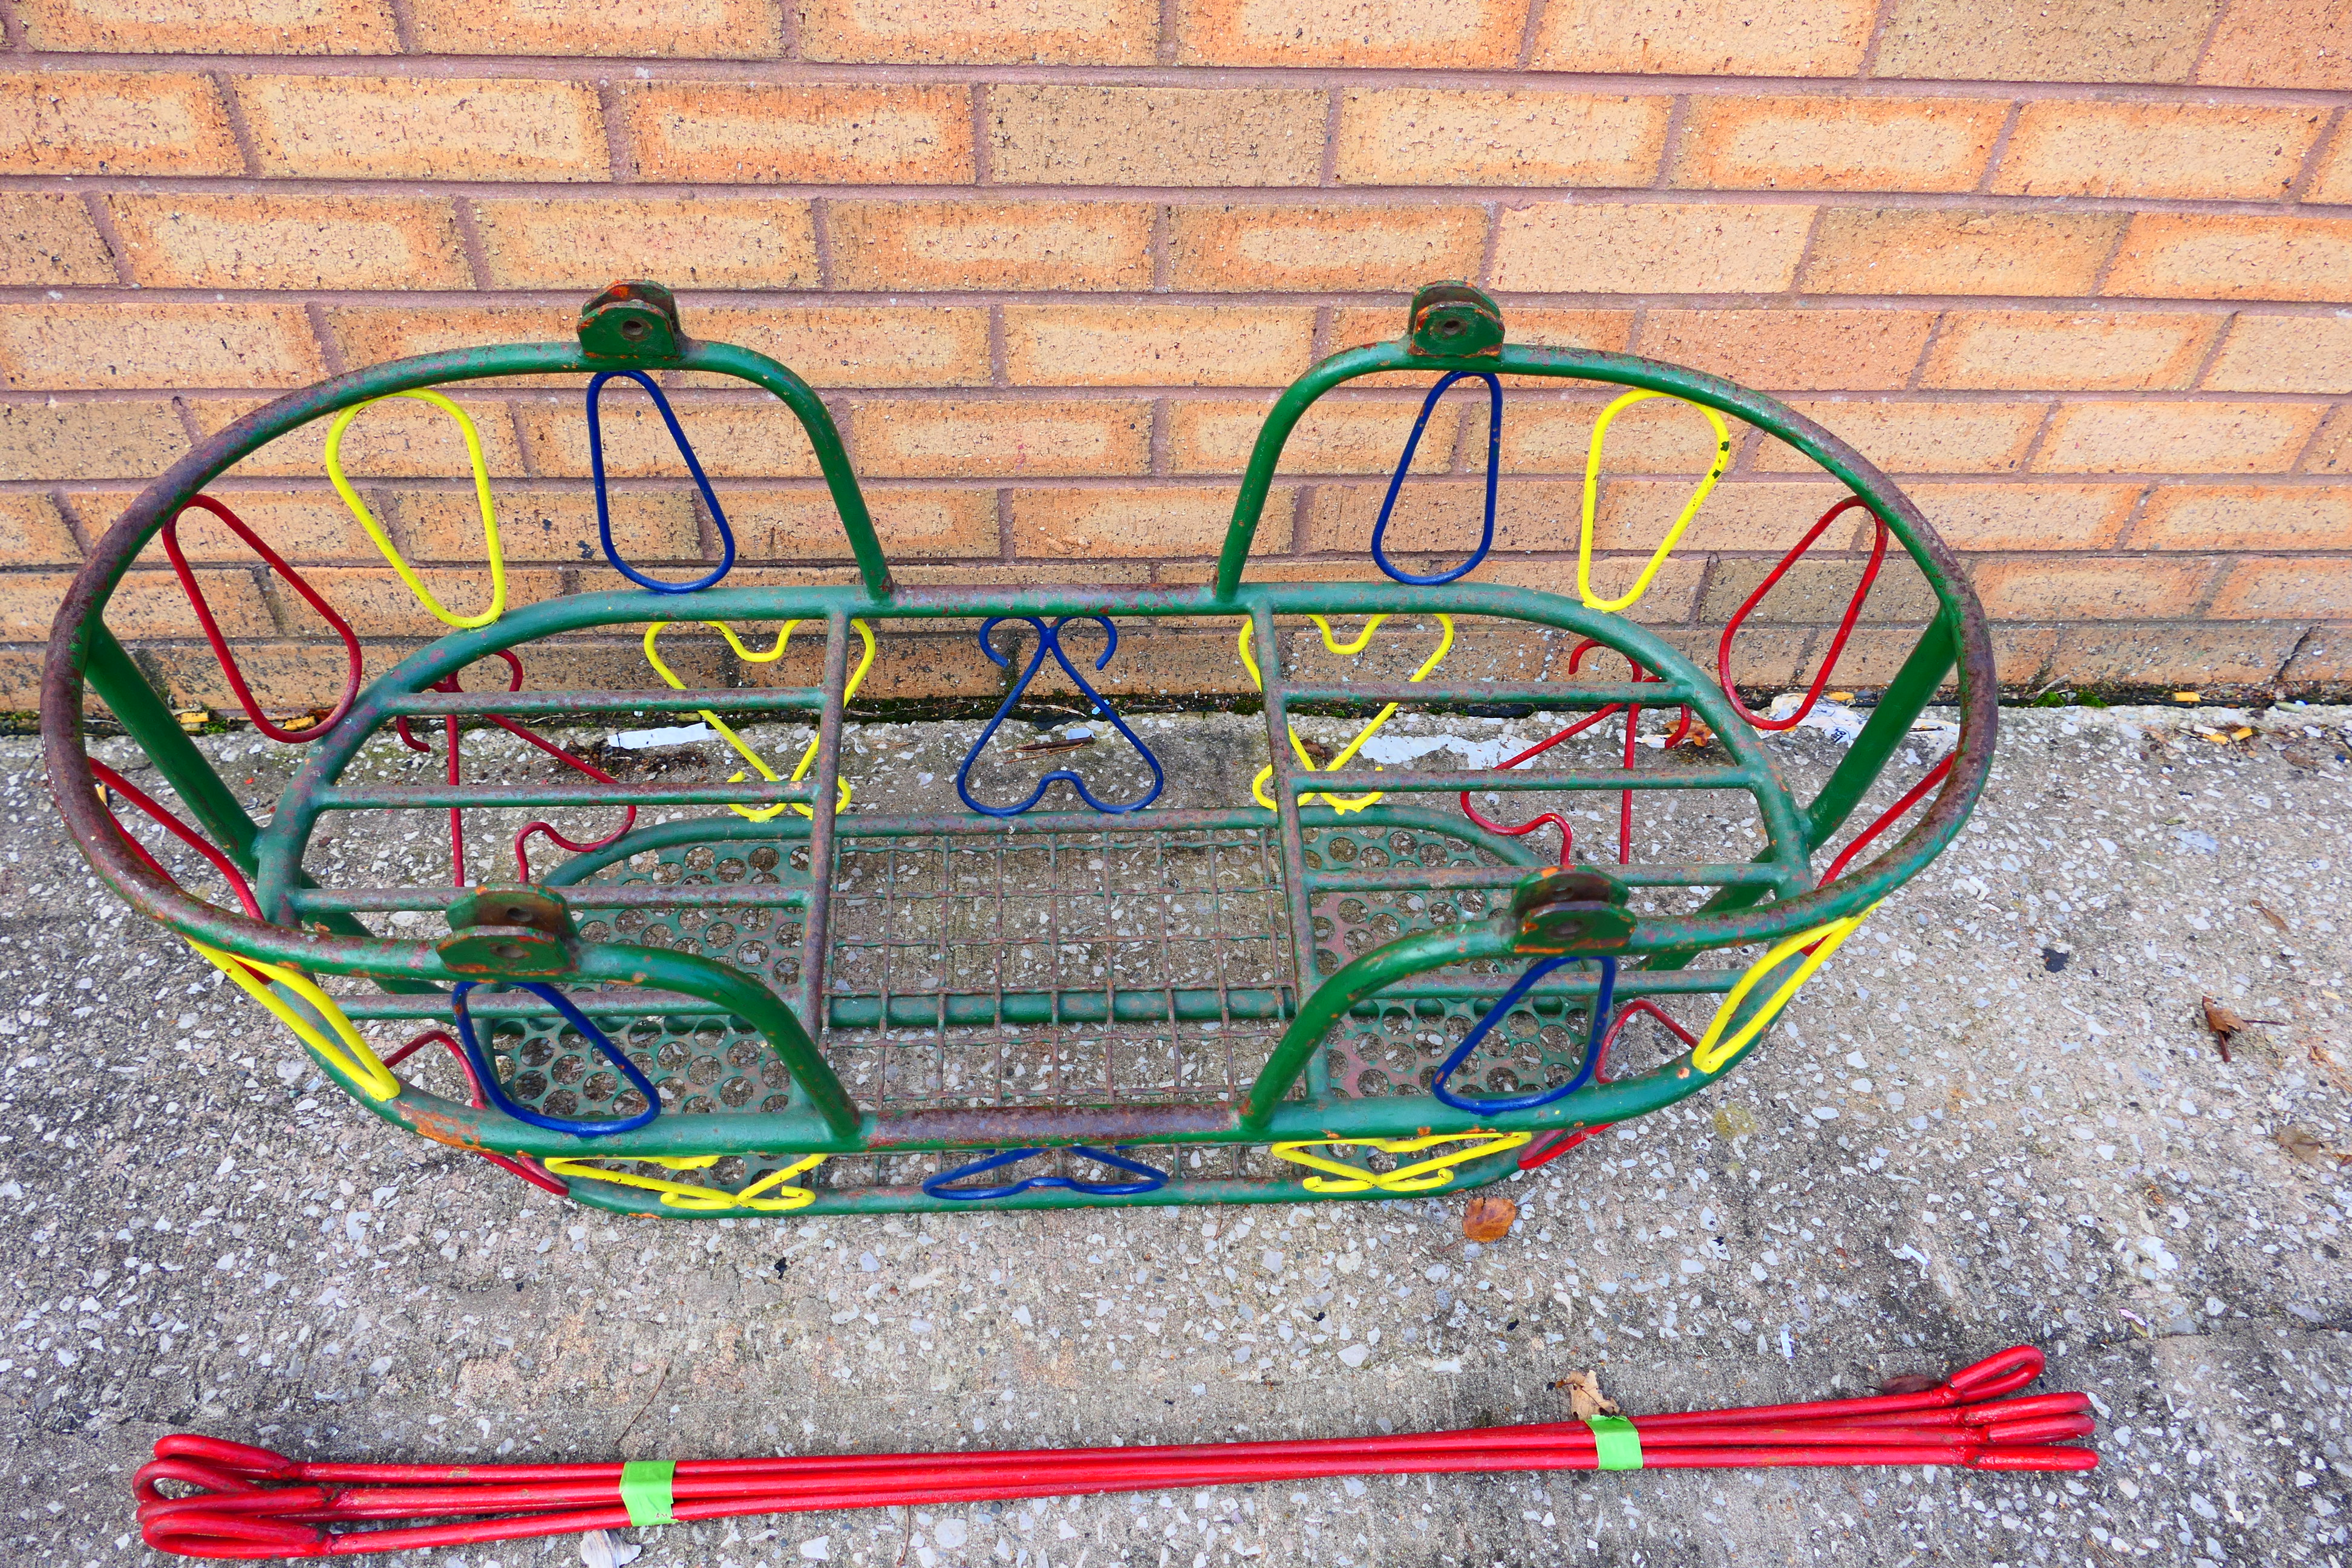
x=1290 y=1094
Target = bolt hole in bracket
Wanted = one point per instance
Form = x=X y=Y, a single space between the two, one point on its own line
x=1345 y=985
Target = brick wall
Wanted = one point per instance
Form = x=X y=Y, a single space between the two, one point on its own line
x=2076 y=272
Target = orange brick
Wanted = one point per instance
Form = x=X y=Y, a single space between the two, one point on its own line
x=46 y=238
x=1023 y=575
x=395 y=437
x=1159 y=520
x=1634 y=514
x=33 y=533
x=1708 y=37
x=429 y=128
x=2172 y=656
x=1807 y=350
x=2331 y=449
x=827 y=134
x=303 y=526
x=2177 y=437
x=1816 y=590
x=1672 y=595
x=1659 y=435
x=1427 y=136
x=691 y=242
x=2105 y=351
x=2312 y=588
x=281 y=675
x=991 y=245
x=264 y=26
x=1249 y=248
x=1910 y=250
x=1357 y=33
x=114 y=122
x=1763 y=659
x=151 y=604
x=2283 y=353
x=1337 y=435
x=734 y=438
x=855 y=345
x=367 y=335
x=709 y=29
x=72 y=346
x=2196 y=256
x=1916 y=438
x=1838 y=143
x=2281 y=43
x=190 y=241
x=1442 y=518
x=961 y=438
x=2322 y=660
x=378 y=605
x=2245 y=517
x=2043 y=40
x=980 y=32
x=777 y=524
x=2065 y=148
x=1681 y=248
x=1156 y=346
x=2027 y=517
x=542 y=522
x=2332 y=181
x=2098 y=589
x=89 y=440
x=1155 y=135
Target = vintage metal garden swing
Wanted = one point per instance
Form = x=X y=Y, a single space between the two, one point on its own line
x=1353 y=984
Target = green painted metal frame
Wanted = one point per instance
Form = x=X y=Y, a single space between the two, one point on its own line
x=631 y=326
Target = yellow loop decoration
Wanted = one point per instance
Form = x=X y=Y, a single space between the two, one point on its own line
x=375 y=530
x=780 y=1198
x=352 y=1057
x=1363 y=640
x=1713 y=1051
x=1421 y=1176
x=764 y=813
x=1674 y=534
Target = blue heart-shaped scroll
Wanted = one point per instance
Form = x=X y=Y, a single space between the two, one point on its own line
x=1049 y=640
x=1601 y=1003
x=486 y=1071
x=1494 y=474
x=693 y=466
x=1153 y=1177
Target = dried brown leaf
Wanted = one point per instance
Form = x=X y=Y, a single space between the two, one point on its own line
x=1585 y=1399
x=1911 y=1383
x=2225 y=1024
x=2307 y=1148
x=1489 y=1218
x=2269 y=914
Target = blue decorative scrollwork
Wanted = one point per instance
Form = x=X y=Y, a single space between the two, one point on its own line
x=694 y=467
x=1603 y=1001
x=1494 y=473
x=487 y=1070
x=1049 y=640
x=1153 y=1177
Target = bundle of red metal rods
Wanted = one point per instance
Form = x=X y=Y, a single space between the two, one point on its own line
x=256 y=1505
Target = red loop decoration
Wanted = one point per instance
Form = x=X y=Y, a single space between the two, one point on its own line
x=1547 y=1149
x=177 y=829
x=171 y=534
x=1837 y=643
x=528 y=1169
x=1918 y=792
x=456 y=822
x=1625 y=808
